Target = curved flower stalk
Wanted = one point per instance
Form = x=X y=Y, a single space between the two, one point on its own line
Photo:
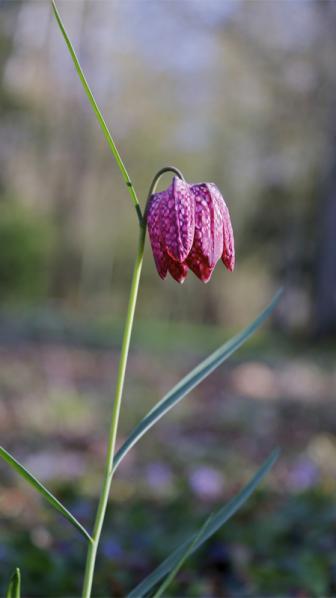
x=189 y=226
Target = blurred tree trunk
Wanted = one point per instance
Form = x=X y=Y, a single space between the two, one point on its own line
x=326 y=267
x=325 y=297
x=8 y=23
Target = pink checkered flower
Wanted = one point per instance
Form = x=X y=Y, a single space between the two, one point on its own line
x=190 y=227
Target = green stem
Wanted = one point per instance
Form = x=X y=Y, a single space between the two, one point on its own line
x=155 y=181
x=108 y=474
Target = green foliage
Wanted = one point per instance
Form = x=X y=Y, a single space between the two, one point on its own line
x=211 y=527
x=195 y=377
x=14 y=587
x=24 y=473
x=26 y=242
x=187 y=552
x=96 y=110
x=277 y=545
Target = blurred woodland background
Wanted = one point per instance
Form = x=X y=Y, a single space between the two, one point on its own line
x=241 y=93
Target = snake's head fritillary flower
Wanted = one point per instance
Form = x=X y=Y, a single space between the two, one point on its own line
x=190 y=227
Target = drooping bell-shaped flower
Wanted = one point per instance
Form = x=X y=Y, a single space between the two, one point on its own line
x=190 y=227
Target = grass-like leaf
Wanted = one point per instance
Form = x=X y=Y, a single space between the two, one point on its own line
x=96 y=108
x=14 y=586
x=211 y=527
x=43 y=491
x=189 y=549
x=192 y=379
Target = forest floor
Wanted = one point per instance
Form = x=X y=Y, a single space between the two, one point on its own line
x=55 y=404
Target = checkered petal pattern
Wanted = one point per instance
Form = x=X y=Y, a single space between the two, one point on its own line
x=190 y=228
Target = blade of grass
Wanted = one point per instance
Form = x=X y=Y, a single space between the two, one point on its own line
x=213 y=525
x=192 y=379
x=43 y=491
x=98 y=113
x=186 y=554
x=14 y=586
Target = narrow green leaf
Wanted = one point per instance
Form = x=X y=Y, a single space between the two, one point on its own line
x=192 y=379
x=185 y=555
x=42 y=490
x=14 y=586
x=211 y=527
x=86 y=87
x=95 y=107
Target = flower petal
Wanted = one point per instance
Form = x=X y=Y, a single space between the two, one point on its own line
x=178 y=270
x=199 y=265
x=154 y=230
x=208 y=239
x=178 y=220
x=228 y=254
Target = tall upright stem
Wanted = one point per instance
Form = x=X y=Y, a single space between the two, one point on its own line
x=108 y=472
